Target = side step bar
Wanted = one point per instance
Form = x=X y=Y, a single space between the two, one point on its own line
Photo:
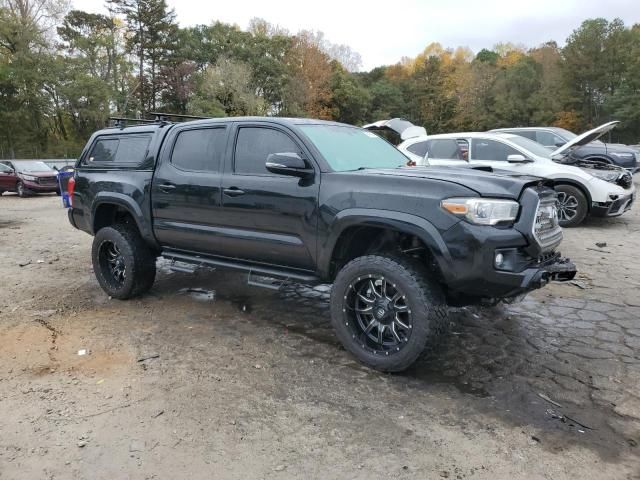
x=267 y=271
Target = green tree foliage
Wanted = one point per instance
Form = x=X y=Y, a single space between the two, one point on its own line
x=62 y=73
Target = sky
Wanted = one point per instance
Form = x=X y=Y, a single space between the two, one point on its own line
x=384 y=32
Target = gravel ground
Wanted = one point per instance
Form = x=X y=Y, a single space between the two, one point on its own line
x=206 y=377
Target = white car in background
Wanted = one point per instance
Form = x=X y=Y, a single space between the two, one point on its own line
x=584 y=187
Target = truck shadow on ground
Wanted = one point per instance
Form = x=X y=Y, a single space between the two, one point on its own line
x=559 y=367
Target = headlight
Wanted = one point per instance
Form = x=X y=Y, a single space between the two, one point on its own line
x=29 y=177
x=623 y=155
x=605 y=175
x=482 y=211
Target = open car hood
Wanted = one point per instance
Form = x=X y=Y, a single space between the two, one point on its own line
x=402 y=127
x=585 y=138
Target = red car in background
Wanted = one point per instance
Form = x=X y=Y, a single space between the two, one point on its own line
x=26 y=177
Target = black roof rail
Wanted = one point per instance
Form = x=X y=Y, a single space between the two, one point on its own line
x=121 y=122
x=162 y=116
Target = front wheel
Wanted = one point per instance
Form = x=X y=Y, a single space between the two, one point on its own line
x=572 y=206
x=385 y=309
x=22 y=192
x=123 y=263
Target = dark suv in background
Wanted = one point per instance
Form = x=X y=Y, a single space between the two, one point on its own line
x=555 y=137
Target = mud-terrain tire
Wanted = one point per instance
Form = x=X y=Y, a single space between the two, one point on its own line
x=123 y=263
x=421 y=306
x=20 y=190
x=573 y=206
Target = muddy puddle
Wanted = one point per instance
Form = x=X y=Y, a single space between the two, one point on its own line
x=504 y=360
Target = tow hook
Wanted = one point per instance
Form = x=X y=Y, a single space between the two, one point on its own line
x=561 y=271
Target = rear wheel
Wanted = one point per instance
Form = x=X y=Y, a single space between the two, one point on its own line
x=385 y=309
x=572 y=206
x=123 y=263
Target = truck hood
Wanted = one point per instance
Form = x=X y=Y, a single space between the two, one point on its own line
x=497 y=183
x=402 y=127
x=585 y=138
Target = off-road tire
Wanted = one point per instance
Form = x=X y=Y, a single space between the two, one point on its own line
x=424 y=297
x=582 y=209
x=20 y=190
x=139 y=261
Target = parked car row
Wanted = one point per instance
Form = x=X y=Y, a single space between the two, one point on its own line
x=28 y=177
x=590 y=177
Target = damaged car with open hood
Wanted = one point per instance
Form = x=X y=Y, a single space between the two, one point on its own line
x=585 y=187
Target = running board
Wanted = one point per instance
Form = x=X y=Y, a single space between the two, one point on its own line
x=251 y=268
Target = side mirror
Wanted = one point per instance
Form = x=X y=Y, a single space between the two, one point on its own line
x=518 y=159
x=288 y=164
x=559 y=144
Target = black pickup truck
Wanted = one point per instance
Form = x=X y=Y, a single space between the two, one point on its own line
x=311 y=201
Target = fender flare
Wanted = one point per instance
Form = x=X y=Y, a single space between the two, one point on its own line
x=402 y=222
x=127 y=203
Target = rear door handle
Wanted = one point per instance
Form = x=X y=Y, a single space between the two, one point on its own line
x=167 y=187
x=233 y=192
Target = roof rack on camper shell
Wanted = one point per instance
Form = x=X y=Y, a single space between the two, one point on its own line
x=160 y=117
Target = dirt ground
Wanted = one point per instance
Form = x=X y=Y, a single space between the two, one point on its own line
x=206 y=377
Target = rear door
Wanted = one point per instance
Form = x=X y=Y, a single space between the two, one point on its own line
x=266 y=217
x=186 y=196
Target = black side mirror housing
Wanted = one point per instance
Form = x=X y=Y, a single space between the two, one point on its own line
x=290 y=164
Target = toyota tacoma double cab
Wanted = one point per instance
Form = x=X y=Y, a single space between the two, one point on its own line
x=312 y=201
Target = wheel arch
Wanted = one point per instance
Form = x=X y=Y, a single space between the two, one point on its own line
x=357 y=232
x=578 y=185
x=108 y=207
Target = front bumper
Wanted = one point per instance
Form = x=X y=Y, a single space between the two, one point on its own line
x=613 y=208
x=38 y=187
x=474 y=276
x=474 y=273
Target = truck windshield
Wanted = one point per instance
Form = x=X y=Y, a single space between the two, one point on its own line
x=351 y=148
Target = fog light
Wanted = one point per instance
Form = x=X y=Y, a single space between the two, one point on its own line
x=499 y=260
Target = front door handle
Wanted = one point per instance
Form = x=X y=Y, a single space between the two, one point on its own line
x=167 y=187
x=233 y=192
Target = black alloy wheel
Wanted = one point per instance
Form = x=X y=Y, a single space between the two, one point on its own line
x=381 y=318
x=112 y=263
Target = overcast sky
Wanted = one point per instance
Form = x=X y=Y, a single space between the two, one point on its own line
x=383 y=32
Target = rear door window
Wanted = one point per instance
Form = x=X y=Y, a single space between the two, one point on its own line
x=530 y=134
x=199 y=150
x=418 y=148
x=445 y=149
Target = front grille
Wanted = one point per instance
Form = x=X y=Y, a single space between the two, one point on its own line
x=546 y=229
x=47 y=180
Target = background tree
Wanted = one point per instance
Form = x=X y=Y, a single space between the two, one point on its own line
x=62 y=73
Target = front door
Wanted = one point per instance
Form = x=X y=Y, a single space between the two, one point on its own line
x=266 y=217
x=493 y=153
x=8 y=178
x=186 y=197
